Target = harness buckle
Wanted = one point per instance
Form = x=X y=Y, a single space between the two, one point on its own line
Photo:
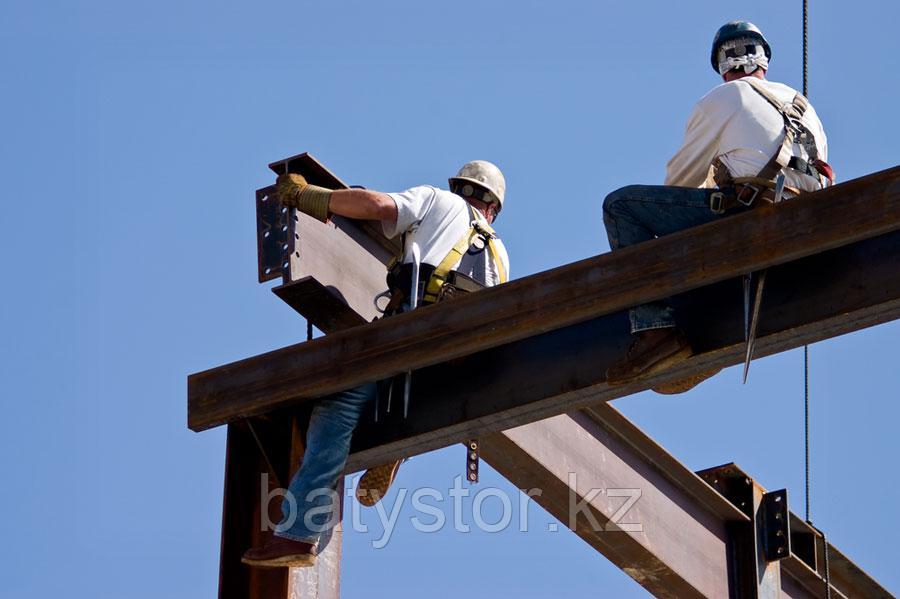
x=716 y=202
x=740 y=195
x=482 y=230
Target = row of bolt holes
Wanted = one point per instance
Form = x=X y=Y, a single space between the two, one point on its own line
x=284 y=229
x=780 y=533
x=778 y=516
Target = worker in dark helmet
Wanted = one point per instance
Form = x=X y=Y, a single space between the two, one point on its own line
x=740 y=137
x=449 y=248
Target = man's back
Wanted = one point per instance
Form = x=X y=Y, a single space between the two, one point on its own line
x=736 y=123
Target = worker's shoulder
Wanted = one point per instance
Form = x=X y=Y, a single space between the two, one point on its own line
x=740 y=90
x=436 y=200
x=725 y=93
x=425 y=193
x=738 y=93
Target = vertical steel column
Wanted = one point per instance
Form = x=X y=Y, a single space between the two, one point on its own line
x=755 y=548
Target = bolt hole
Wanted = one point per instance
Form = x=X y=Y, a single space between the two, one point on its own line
x=266 y=234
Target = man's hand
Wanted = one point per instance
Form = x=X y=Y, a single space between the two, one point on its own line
x=293 y=191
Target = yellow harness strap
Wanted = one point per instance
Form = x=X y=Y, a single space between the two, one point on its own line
x=495 y=254
x=476 y=229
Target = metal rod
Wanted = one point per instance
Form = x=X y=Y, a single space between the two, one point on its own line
x=754 y=322
x=262 y=450
x=413 y=304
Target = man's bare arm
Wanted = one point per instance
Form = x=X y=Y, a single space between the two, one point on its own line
x=293 y=190
x=363 y=204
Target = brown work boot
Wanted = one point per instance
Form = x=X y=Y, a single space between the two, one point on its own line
x=651 y=352
x=375 y=483
x=685 y=384
x=281 y=553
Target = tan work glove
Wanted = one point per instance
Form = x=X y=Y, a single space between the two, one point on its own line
x=293 y=191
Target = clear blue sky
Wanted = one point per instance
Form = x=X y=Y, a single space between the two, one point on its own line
x=134 y=134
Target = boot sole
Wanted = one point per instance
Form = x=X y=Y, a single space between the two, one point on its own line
x=684 y=385
x=284 y=561
x=682 y=354
x=375 y=483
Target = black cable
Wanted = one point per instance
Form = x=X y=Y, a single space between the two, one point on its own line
x=827 y=567
x=806 y=48
x=309 y=330
x=806 y=418
x=806 y=347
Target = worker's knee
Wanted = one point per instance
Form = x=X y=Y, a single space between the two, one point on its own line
x=616 y=200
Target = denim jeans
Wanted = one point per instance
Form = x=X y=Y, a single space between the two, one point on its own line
x=639 y=213
x=311 y=508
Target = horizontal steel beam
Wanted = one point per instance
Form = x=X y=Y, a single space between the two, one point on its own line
x=553 y=373
x=550 y=301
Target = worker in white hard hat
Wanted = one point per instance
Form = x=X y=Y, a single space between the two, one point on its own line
x=740 y=138
x=448 y=234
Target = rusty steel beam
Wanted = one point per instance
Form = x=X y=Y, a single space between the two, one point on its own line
x=552 y=373
x=693 y=541
x=681 y=549
x=548 y=301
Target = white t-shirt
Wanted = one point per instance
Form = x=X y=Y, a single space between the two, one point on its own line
x=436 y=219
x=735 y=122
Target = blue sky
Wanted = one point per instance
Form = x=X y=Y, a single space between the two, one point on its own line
x=134 y=135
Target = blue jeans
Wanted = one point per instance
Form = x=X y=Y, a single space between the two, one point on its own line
x=639 y=213
x=311 y=508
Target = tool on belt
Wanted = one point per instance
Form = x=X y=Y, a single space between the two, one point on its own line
x=751 y=326
x=413 y=304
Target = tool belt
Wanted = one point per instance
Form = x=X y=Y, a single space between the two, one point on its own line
x=399 y=279
x=739 y=197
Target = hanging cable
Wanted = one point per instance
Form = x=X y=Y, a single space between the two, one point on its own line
x=806 y=419
x=806 y=347
x=806 y=48
x=827 y=578
x=309 y=330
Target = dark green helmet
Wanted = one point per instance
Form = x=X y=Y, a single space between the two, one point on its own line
x=735 y=30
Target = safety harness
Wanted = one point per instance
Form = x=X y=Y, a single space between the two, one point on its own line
x=441 y=281
x=479 y=232
x=748 y=189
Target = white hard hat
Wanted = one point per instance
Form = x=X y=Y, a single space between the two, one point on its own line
x=486 y=176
